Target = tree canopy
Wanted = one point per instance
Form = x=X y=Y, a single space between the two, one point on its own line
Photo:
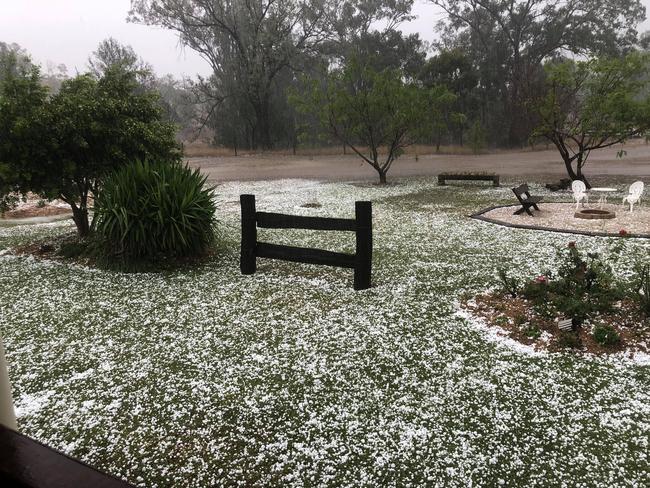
x=589 y=105
x=63 y=146
x=508 y=40
x=111 y=54
x=14 y=61
x=376 y=114
x=257 y=49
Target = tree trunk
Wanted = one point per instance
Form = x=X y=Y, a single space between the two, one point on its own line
x=579 y=163
x=569 y=169
x=382 y=177
x=577 y=174
x=80 y=217
x=262 y=125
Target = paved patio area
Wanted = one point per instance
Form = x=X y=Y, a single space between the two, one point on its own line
x=560 y=217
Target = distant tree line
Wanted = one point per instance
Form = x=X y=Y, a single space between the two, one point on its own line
x=490 y=55
x=290 y=73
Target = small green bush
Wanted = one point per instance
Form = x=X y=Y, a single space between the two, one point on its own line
x=74 y=249
x=544 y=309
x=605 y=335
x=532 y=331
x=536 y=291
x=501 y=320
x=508 y=284
x=575 y=307
x=149 y=210
x=584 y=286
x=642 y=290
x=569 y=340
x=520 y=320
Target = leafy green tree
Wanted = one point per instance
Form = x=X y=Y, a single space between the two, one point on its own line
x=64 y=146
x=454 y=70
x=477 y=137
x=510 y=39
x=22 y=124
x=594 y=104
x=376 y=114
x=111 y=54
x=14 y=61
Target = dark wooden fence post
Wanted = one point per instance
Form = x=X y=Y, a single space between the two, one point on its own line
x=363 y=256
x=248 y=263
x=360 y=261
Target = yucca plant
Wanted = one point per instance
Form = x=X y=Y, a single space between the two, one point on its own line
x=148 y=210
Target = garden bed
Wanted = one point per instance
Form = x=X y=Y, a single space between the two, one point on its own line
x=35 y=207
x=516 y=319
x=576 y=304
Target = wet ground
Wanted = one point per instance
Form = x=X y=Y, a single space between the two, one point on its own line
x=531 y=164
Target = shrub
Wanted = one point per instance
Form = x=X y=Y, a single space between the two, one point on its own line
x=584 y=285
x=642 y=290
x=520 y=319
x=605 y=335
x=509 y=285
x=569 y=340
x=536 y=291
x=575 y=307
x=147 y=210
x=532 y=331
x=544 y=309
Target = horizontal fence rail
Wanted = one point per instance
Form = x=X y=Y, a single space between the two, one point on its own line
x=361 y=225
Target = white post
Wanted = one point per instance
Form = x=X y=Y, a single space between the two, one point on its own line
x=7 y=414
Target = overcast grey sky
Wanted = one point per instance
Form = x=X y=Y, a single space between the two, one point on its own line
x=67 y=31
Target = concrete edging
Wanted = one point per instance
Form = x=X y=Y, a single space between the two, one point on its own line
x=480 y=216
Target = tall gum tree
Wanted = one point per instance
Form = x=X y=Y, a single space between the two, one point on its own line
x=247 y=43
x=255 y=46
x=511 y=39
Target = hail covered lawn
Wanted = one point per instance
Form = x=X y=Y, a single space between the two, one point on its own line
x=289 y=377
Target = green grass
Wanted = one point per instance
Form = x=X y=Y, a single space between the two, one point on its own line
x=290 y=378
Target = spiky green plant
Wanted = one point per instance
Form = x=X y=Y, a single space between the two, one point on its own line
x=148 y=210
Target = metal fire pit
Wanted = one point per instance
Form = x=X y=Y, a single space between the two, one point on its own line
x=593 y=213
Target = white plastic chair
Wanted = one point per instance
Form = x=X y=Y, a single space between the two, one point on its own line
x=634 y=194
x=579 y=192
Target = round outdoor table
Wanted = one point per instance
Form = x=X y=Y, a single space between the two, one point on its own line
x=603 y=194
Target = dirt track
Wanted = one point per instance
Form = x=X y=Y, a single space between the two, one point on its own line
x=533 y=164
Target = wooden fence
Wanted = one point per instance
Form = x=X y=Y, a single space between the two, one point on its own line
x=361 y=225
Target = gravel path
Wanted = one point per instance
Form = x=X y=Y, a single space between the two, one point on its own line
x=560 y=216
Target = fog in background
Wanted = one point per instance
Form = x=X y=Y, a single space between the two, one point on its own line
x=68 y=31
